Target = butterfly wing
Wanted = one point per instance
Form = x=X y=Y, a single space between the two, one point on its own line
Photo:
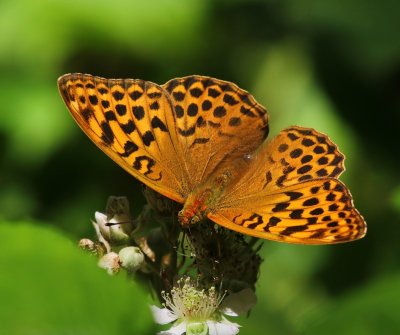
x=216 y=122
x=170 y=137
x=130 y=120
x=290 y=193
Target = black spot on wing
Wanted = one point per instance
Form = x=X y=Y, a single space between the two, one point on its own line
x=129 y=148
x=317 y=211
x=154 y=95
x=206 y=105
x=87 y=113
x=235 y=121
x=121 y=109
x=102 y=90
x=307 y=142
x=189 y=81
x=305 y=159
x=178 y=96
x=187 y=132
x=108 y=135
x=296 y=214
x=199 y=140
x=110 y=116
x=93 y=99
x=280 y=207
x=195 y=92
x=296 y=153
x=192 y=109
x=138 y=165
x=179 y=112
x=230 y=100
x=147 y=138
x=219 y=111
x=293 y=136
x=172 y=84
x=157 y=123
x=304 y=169
x=311 y=202
x=305 y=177
x=294 y=195
x=293 y=229
x=283 y=147
x=251 y=218
x=155 y=105
x=213 y=93
x=128 y=127
x=138 y=111
x=118 y=95
x=247 y=111
x=135 y=95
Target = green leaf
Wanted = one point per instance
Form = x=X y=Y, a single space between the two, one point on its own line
x=49 y=286
x=374 y=309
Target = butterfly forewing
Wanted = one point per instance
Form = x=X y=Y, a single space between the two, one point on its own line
x=129 y=120
x=216 y=122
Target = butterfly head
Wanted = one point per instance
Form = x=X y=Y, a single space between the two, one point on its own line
x=192 y=212
x=188 y=217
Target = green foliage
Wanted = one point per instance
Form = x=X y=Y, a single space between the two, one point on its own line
x=324 y=64
x=48 y=286
x=373 y=309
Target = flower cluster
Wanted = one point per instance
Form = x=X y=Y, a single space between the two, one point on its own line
x=154 y=248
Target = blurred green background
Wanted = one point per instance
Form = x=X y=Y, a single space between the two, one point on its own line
x=331 y=65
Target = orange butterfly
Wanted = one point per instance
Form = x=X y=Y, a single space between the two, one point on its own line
x=201 y=141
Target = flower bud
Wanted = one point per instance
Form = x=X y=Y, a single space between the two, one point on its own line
x=131 y=258
x=116 y=230
x=87 y=245
x=110 y=262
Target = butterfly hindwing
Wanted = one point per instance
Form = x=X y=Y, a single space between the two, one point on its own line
x=272 y=200
x=313 y=212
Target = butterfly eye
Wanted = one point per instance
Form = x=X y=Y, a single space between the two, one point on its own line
x=182 y=218
x=194 y=219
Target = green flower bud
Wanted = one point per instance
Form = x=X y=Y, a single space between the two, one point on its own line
x=197 y=328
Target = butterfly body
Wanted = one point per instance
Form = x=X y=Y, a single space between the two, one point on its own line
x=203 y=199
x=201 y=142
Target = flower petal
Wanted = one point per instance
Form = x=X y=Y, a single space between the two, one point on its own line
x=179 y=329
x=223 y=327
x=239 y=303
x=100 y=218
x=162 y=316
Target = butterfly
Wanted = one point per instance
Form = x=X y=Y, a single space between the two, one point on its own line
x=202 y=142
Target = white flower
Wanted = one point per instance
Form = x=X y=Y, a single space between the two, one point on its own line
x=110 y=262
x=201 y=312
x=114 y=230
